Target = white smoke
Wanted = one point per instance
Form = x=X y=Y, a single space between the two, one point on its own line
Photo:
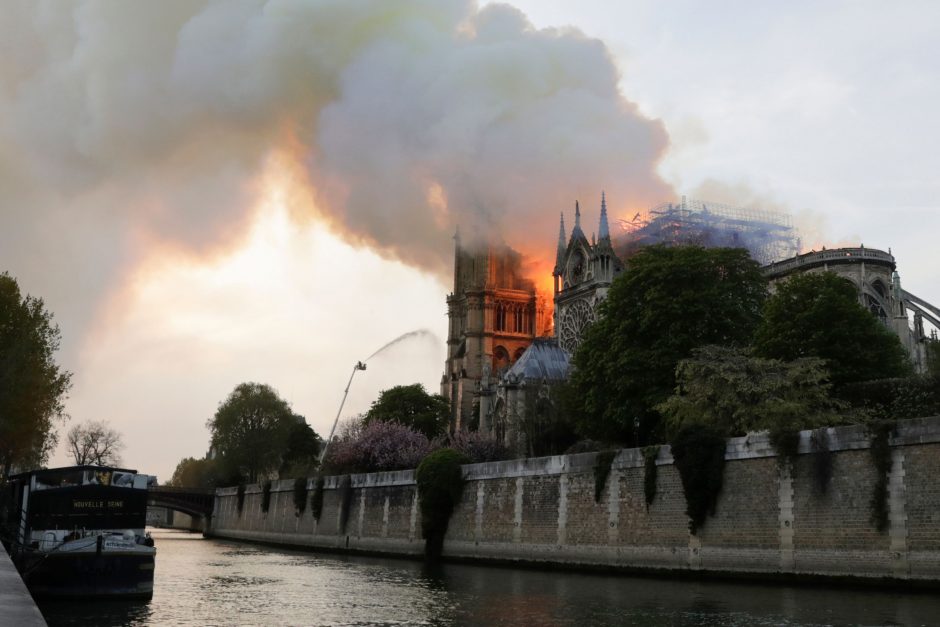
x=129 y=122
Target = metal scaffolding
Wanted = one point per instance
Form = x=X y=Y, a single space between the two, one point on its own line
x=767 y=235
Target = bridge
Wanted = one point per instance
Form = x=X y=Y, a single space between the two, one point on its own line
x=195 y=502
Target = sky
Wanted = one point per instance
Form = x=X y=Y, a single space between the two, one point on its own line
x=211 y=193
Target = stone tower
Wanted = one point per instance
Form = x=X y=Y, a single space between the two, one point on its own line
x=494 y=314
x=583 y=273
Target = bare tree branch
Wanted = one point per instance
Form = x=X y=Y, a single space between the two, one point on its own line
x=95 y=443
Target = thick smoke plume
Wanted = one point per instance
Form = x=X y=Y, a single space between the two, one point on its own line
x=128 y=123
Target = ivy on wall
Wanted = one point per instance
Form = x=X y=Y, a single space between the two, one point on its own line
x=345 y=493
x=786 y=443
x=440 y=484
x=881 y=457
x=300 y=495
x=822 y=460
x=240 y=495
x=316 y=499
x=699 y=453
x=650 y=470
x=601 y=471
x=266 y=496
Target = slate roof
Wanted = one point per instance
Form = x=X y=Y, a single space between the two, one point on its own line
x=544 y=359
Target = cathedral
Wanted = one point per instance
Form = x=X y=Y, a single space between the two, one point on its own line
x=504 y=354
x=501 y=354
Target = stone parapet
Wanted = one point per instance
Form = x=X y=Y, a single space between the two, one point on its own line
x=835 y=256
x=771 y=519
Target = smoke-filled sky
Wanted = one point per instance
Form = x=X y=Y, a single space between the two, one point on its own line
x=217 y=192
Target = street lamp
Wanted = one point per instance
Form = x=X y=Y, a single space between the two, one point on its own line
x=359 y=366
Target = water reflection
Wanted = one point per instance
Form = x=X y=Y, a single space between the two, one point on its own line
x=207 y=582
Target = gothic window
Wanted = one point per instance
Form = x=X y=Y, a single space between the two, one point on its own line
x=575 y=319
x=500 y=359
x=875 y=307
x=499 y=423
x=500 y=317
x=518 y=353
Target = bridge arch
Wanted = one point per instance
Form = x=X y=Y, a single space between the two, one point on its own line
x=196 y=503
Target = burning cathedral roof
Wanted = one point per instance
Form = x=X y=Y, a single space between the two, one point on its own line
x=542 y=360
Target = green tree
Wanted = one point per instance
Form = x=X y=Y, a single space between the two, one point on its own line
x=250 y=431
x=413 y=407
x=735 y=392
x=195 y=473
x=32 y=386
x=669 y=301
x=301 y=455
x=818 y=315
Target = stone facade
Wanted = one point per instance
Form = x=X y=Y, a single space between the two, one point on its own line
x=769 y=521
x=583 y=274
x=494 y=313
x=875 y=277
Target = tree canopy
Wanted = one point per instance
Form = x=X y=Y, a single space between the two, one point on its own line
x=33 y=387
x=667 y=302
x=302 y=451
x=251 y=431
x=195 y=473
x=735 y=392
x=94 y=442
x=412 y=406
x=818 y=315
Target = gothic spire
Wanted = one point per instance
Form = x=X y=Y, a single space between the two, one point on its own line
x=562 y=244
x=576 y=231
x=604 y=229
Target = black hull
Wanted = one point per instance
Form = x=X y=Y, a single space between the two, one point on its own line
x=87 y=575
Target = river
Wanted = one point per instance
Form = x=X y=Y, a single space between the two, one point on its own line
x=212 y=582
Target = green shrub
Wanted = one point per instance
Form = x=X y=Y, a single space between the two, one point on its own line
x=266 y=496
x=881 y=457
x=699 y=453
x=345 y=494
x=822 y=460
x=316 y=500
x=240 y=495
x=440 y=484
x=300 y=495
x=601 y=472
x=650 y=470
x=895 y=399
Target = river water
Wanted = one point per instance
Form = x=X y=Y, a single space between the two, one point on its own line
x=212 y=582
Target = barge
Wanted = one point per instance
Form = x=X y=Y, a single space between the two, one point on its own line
x=78 y=532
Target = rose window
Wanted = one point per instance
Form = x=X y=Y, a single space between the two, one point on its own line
x=575 y=319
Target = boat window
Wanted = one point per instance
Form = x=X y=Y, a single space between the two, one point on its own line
x=59 y=479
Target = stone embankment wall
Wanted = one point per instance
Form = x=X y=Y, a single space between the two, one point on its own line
x=769 y=520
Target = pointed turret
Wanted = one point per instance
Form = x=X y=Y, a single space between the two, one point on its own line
x=604 y=230
x=577 y=221
x=562 y=245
